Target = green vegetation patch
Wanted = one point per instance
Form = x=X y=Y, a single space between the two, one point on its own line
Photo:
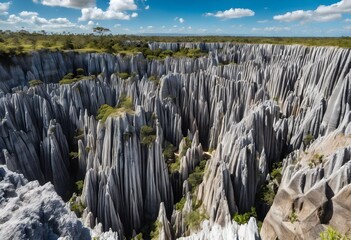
x=73 y=155
x=22 y=42
x=33 y=83
x=147 y=135
x=70 y=78
x=78 y=187
x=293 y=216
x=195 y=178
x=190 y=53
x=123 y=75
x=244 y=218
x=180 y=204
x=76 y=205
x=172 y=161
x=125 y=106
x=308 y=139
x=155 y=229
x=194 y=219
x=315 y=160
x=267 y=192
x=332 y=234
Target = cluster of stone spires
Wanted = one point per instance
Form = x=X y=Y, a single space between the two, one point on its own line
x=254 y=104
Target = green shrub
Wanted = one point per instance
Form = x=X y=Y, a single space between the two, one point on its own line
x=267 y=192
x=68 y=45
x=195 y=178
x=332 y=234
x=180 y=204
x=308 y=139
x=173 y=162
x=68 y=76
x=104 y=112
x=169 y=151
x=76 y=206
x=174 y=166
x=80 y=71
x=292 y=217
x=155 y=229
x=73 y=155
x=79 y=134
x=123 y=75
x=244 y=218
x=277 y=174
x=78 y=187
x=34 y=83
x=126 y=103
x=139 y=236
x=147 y=135
x=194 y=219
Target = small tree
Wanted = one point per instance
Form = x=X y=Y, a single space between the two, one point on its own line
x=101 y=31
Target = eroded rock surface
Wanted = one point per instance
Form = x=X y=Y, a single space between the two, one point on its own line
x=241 y=107
x=31 y=211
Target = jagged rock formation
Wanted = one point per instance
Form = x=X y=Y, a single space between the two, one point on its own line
x=252 y=104
x=31 y=211
x=314 y=192
x=233 y=231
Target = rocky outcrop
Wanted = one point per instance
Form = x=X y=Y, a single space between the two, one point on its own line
x=131 y=180
x=230 y=231
x=31 y=211
x=314 y=191
x=253 y=104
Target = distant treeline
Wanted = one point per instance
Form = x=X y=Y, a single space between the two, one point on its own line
x=23 y=42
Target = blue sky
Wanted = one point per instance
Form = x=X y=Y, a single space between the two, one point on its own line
x=191 y=17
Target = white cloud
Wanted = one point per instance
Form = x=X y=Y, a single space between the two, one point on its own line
x=272 y=29
x=321 y=14
x=232 y=13
x=97 y=13
x=4 y=7
x=28 y=14
x=116 y=10
x=35 y=22
x=149 y=27
x=13 y=19
x=117 y=25
x=147 y=7
x=67 y=3
x=179 y=19
x=91 y=23
x=121 y=5
x=348 y=20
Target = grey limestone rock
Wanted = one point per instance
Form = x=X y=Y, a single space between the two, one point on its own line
x=31 y=211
